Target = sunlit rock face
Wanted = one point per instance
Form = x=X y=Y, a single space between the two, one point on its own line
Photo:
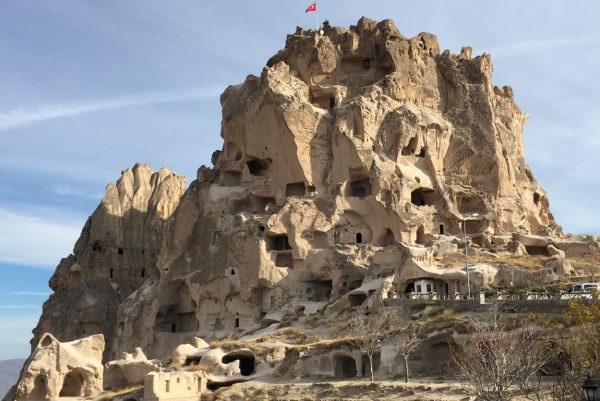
x=114 y=255
x=352 y=154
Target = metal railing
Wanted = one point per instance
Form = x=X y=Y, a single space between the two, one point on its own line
x=529 y=296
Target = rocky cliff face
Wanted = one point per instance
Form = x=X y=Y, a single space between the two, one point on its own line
x=115 y=254
x=345 y=165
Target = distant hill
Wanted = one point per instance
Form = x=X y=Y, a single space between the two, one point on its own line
x=9 y=372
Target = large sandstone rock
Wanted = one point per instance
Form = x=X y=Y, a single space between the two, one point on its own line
x=349 y=153
x=348 y=165
x=115 y=254
x=72 y=369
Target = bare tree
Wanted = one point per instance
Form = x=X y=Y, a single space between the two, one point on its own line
x=369 y=333
x=499 y=360
x=406 y=341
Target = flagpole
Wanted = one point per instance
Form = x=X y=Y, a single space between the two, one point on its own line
x=317 y=9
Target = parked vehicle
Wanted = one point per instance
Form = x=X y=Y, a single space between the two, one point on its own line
x=585 y=288
x=582 y=291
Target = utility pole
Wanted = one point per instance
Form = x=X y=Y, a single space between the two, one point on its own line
x=467 y=253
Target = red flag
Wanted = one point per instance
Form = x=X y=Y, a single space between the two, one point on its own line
x=311 y=8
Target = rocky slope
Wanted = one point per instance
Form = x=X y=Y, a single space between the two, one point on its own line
x=348 y=165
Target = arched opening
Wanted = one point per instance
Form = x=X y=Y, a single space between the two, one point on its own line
x=46 y=341
x=247 y=361
x=345 y=367
x=366 y=367
x=359 y=238
x=40 y=388
x=388 y=238
x=72 y=385
x=258 y=167
x=536 y=198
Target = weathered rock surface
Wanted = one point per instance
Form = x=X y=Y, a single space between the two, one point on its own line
x=356 y=160
x=71 y=369
x=115 y=254
x=130 y=370
x=347 y=156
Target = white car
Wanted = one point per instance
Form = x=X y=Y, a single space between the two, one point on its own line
x=582 y=291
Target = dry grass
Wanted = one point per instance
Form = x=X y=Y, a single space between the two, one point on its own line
x=293 y=336
x=529 y=262
x=110 y=395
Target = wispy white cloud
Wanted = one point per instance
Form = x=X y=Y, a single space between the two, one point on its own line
x=66 y=190
x=520 y=48
x=18 y=117
x=29 y=293
x=37 y=239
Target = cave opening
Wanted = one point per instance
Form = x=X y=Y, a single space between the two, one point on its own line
x=247 y=361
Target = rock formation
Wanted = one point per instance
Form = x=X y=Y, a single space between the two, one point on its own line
x=116 y=252
x=353 y=163
x=72 y=369
x=347 y=156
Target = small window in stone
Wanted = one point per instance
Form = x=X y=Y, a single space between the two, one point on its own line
x=96 y=247
x=295 y=189
x=120 y=251
x=142 y=251
x=331 y=102
x=112 y=272
x=442 y=229
x=173 y=328
x=232 y=272
x=143 y=273
x=216 y=237
x=367 y=63
x=178 y=380
x=278 y=243
x=311 y=188
x=360 y=188
x=359 y=238
x=258 y=167
x=167 y=386
x=237 y=323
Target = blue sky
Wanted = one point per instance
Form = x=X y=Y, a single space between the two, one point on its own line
x=91 y=87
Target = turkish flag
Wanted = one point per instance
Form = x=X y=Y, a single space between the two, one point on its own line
x=311 y=8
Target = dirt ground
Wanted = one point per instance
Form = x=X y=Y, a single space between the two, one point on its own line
x=342 y=390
